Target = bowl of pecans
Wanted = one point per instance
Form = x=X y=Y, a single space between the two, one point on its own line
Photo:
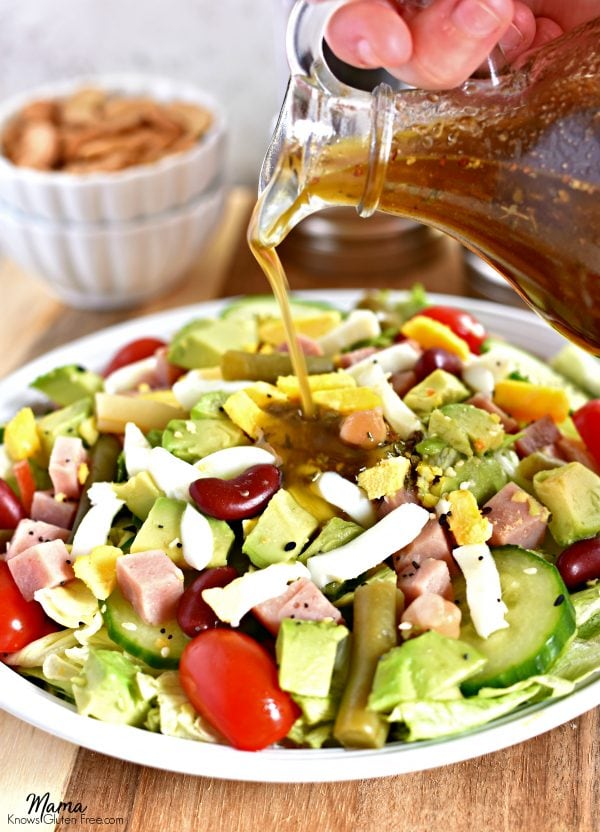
x=110 y=186
x=109 y=148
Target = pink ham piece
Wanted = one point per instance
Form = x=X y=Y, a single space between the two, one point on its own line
x=151 y=583
x=402 y=496
x=517 y=518
x=429 y=576
x=301 y=600
x=31 y=532
x=430 y=543
x=68 y=454
x=432 y=612
x=571 y=450
x=347 y=359
x=307 y=345
x=47 y=508
x=40 y=566
x=536 y=436
x=484 y=402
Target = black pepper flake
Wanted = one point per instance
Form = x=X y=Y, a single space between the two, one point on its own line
x=221 y=409
x=486 y=510
x=292 y=615
x=416 y=565
x=289 y=546
x=80 y=369
x=499 y=600
x=559 y=600
x=40 y=539
x=179 y=545
x=68 y=561
x=31 y=531
x=160 y=526
x=163 y=631
x=443 y=520
x=69 y=430
x=465 y=656
x=306 y=605
x=170 y=636
x=269 y=395
x=436 y=479
x=480 y=557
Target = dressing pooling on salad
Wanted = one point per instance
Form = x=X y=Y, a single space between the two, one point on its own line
x=187 y=553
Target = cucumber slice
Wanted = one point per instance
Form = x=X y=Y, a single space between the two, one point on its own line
x=540 y=615
x=159 y=646
x=265 y=306
x=536 y=370
x=580 y=367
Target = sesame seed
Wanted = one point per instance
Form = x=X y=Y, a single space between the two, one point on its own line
x=129 y=625
x=531 y=570
x=405 y=625
x=164 y=652
x=289 y=546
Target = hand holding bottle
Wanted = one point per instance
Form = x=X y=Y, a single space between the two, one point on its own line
x=440 y=43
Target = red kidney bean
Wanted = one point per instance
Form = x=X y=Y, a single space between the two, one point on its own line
x=580 y=562
x=193 y=613
x=239 y=498
x=437 y=358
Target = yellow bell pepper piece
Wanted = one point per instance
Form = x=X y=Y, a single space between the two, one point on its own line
x=429 y=334
x=527 y=402
x=322 y=381
x=347 y=399
x=21 y=438
x=247 y=415
x=465 y=520
x=98 y=570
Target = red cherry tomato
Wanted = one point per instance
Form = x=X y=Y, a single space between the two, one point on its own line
x=26 y=482
x=11 y=510
x=460 y=322
x=587 y=422
x=134 y=351
x=21 y=621
x=231 y=680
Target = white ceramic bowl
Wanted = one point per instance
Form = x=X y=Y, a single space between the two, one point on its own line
x=111 y=265
x=138 y=191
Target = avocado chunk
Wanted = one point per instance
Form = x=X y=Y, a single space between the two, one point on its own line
x=334 y=533
x=63 y=422
x=282 y=531
x=202 y=342
x=306 y=653
x=485 y=476
x=162 y=530
x=572 y=495
x=436 y=390
x=430 y=666
x=530 y=465
x=140 y=493
x=466 y=428
x=68 y=384
x=108 y=689
x=210 y=405
x=192 y=439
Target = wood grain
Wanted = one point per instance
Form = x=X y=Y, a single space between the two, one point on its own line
x=549 y=784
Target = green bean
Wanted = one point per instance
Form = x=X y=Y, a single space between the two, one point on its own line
x=103 y=468
x=374 y=633
x=254 y=366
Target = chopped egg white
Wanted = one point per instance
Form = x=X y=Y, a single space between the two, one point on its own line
x=96 y=523
x=484 y=593
x=360 y=325
x=479 y=378
x=188 y=389
x=196 y=538
x=136 y=450
x=130 y=376
x=172 y=475
x=347 y=496
x=231 y=462
x=397 y=414
x=393 y=359
x=392 y=532
x=233 y=601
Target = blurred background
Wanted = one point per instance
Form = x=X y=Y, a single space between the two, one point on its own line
x=232 y=47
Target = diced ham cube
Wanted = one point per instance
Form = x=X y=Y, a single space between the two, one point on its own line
x=43 y=565
x=364 y=428
x=432 y=612
x=402 y=496
x=68 y=454
x=484 y=402
x=517 y=518
x=30 y=533
x=536 y=436
x=347 y=359
x=573 y=451
x=151 y=583
x=307 y=345
x=429 y=576
x=47 y=508
x=431 y=542
x=301 y=600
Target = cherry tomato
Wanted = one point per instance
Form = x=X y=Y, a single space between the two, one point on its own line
x=460 y=322
x=21 y=621
x=134 y=351
x=587 y=422
x=11 y=510
x=231 y=680
x=26 y=482
x=193 y=613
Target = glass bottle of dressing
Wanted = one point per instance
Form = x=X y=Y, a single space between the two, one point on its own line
x=510 y=166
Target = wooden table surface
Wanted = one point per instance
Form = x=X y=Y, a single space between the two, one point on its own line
x=549 y=784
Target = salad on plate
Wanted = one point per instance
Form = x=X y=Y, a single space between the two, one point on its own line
x=186 y=553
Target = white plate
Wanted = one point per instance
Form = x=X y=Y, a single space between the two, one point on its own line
x=24 y=700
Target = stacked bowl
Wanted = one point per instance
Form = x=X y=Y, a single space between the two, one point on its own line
x=106 y=239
